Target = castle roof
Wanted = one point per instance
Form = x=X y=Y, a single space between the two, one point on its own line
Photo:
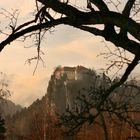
x=72 y=69
x=81 y=68
x=69 y=68
x=77 y=68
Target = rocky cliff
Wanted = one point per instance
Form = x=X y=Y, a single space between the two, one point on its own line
x=67 y=83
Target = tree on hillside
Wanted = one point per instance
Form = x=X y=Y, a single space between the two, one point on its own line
x=4 y=93
x=118 y=118
x=46 y=131
x=44 y=127
x=2 y=128
x=4 y=86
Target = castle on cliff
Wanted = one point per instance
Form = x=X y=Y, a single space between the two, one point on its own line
x=70 y=73
x=67 y=83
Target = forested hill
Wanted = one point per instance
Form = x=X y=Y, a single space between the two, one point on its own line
x=19 y=126
x=39 y=120
x=64 y=86
x=8 y=108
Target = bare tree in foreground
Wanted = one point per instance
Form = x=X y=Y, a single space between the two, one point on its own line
x=117 y=118
x=123 y=14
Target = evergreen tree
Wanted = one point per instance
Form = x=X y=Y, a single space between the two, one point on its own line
x=2 y=128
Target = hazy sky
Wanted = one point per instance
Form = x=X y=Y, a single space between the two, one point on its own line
x=66 y=46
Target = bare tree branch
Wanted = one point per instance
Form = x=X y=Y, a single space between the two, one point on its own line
x=121 y=81
x=18 y=34
x=128 y=7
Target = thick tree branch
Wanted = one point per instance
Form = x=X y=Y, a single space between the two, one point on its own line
x=126 y=12
x=127 y=9
x=79 y=19
x=118 y=41
x=109 y=28
x=62 y=8
x=97 y=17
x=112 y=18
x=125 y=43
x=100 y=5
x=91 y=30
x=24 y=25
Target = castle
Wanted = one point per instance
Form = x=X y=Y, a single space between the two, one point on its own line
x=70 y=73
x=67 y=83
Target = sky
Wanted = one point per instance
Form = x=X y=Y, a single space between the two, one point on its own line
x=65 y=46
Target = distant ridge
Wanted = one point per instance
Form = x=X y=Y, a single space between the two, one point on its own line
x=8 y=108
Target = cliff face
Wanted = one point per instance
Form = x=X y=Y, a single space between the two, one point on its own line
x=67 y=83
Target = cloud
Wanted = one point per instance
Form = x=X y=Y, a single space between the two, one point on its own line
x=28 y=88
x=79 y=49
x=17 y=4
